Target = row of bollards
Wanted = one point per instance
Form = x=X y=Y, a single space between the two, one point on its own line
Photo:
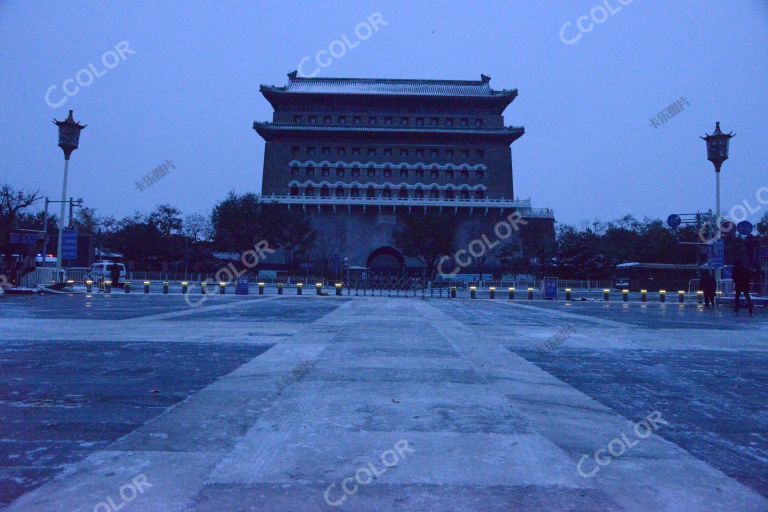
x=339 y=288
x=204 y=287
x=569 y=294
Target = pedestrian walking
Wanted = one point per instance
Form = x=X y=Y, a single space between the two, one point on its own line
x=742 y=277
x=708 y=286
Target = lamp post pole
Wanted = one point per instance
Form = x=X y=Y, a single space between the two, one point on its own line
x=62 y=213
x=69 y=138
x=717 y=153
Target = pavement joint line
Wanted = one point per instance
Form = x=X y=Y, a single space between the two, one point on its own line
x=565 y=314
x=191 y=310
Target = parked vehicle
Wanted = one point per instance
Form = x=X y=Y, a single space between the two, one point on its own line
x=101 y=271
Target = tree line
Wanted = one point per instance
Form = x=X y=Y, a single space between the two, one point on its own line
x=164 y=236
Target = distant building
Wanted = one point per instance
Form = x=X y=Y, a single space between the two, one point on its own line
x=360 y=154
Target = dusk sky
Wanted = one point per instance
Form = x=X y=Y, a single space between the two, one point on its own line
x=188 y=92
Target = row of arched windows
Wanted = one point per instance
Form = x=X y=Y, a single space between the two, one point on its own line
x=402 y=192
x=387 y=172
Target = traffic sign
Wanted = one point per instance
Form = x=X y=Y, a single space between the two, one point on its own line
x=25 y=238
x=69 y=245
x=242 y=286
x=550 y=288
x=674 y=221
x=716 y=254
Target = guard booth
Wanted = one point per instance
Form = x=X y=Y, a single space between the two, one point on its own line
x=549 y=288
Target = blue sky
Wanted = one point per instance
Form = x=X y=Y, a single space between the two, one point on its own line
x=189 y=93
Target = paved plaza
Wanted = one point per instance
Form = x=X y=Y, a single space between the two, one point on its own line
x=299 y=403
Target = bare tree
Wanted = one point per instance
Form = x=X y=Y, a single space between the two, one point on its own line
x=197 y=227
x=329 y=239
x=426 y=238
x=16 y=257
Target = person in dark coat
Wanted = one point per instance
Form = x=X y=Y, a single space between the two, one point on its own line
x=708 y=286
x=741 y=279
x=114 y=272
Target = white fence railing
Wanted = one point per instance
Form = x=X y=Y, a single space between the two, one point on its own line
x=78 y=274
x=41 y=275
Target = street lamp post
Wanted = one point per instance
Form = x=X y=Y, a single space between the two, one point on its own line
x=717 y=153
x=69 y=138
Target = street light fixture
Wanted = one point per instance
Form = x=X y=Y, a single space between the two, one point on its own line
x=69 y=139
x=717 y=153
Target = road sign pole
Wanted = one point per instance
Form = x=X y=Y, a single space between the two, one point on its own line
x=45 y=230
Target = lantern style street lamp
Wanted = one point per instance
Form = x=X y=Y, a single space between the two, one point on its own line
x=717 y=153
x=69 y=138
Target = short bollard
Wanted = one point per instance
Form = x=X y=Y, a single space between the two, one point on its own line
x=319 y=288
x=699 y=297
x=568 y=294
x=279 y=288
x=492 y=292
x=530 y=293
x=127 y=287
x=203 y=288
x=662 y=295
x=165 y=287
x=184 y=287
x=70 y=283
x=338 y=289
x=473 y=292
x=222 y=288
x=107 y=286
x=299 y=288
x=606 y=295
x=680 y=296
x=88 y=285
x=625 y=295
x=261 y=288
x=453 y=292
x=146 y=286
x=643 y=295
x=511 y=293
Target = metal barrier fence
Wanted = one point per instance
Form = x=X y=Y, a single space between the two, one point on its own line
x=78 y=274
x=41 y=275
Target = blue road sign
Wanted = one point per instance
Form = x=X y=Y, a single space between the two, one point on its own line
x=550 y=288
x=69 y=245
x=241 y=288
x=25 y=238
x=716 y=254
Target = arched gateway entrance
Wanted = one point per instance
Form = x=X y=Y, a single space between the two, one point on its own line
x=386 y=260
